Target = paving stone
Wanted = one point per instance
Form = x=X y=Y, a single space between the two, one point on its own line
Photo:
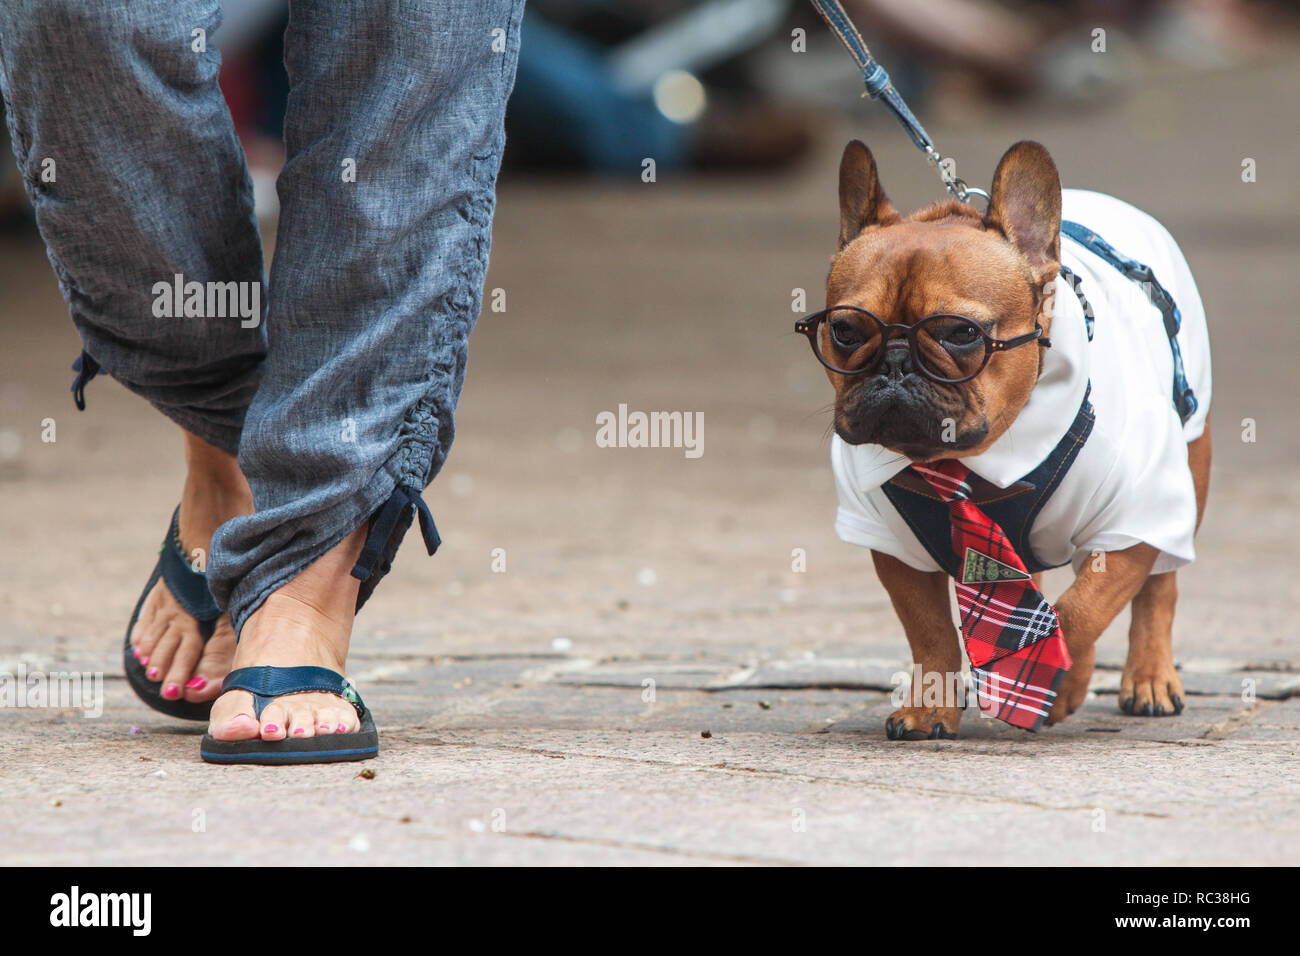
x=664 y=674
x=819 y=671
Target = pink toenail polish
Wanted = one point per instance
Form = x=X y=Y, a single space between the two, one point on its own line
x=300 y=731
x=152 y=673
x=171 y=691
x=135 y=652
x=143 y=661
x=342 y=727
x=272 y=729
x=196 y=682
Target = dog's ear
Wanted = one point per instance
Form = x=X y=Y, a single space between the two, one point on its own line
x=1025 y=206
x=862 y=201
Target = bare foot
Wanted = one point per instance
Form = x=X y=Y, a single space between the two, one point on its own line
x=166 y=639
x=307 y=621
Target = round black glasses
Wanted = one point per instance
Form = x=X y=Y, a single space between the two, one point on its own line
x=944 y=348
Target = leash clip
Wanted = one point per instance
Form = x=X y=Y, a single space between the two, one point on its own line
x=955 y=185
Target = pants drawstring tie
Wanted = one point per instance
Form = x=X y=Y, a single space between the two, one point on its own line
x=86 y=369
x=376 y=555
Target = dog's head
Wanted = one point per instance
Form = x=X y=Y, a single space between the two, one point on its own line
x=997 y=270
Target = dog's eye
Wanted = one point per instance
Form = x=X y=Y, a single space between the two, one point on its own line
x=845 y=335
x=962 y=333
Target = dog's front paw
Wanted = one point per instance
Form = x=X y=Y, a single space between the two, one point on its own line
x=1151 y=689
x=923 y=723
x=1073 y=690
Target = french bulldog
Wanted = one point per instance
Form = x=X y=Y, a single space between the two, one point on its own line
x=1000 y=268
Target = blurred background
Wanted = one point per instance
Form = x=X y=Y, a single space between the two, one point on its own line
x=680 y=293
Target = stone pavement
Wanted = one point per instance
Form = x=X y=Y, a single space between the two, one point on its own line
x=517 y=721
x=559 y=758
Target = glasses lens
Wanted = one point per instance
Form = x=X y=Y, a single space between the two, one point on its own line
x=950 y=347
x=848 y=339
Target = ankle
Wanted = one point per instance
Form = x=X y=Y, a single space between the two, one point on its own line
x=308 y=619
x=209 y=468
x=211 y=501
x=287 y=631
x=213 y=481
x=215 y=491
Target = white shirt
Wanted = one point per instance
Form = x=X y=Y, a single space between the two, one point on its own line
x=1130 y=482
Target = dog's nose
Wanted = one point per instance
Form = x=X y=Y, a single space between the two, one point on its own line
x=897 y=360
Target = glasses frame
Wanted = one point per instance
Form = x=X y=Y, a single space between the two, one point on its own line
x=810 y=325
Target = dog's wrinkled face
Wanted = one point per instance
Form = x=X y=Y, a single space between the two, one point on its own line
x=998 y=268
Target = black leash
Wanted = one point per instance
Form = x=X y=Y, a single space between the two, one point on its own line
x=881 y=87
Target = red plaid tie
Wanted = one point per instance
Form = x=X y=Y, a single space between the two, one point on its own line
x=1013 y=638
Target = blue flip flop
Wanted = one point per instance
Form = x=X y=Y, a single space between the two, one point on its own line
x=267 y=683
x=190 y=589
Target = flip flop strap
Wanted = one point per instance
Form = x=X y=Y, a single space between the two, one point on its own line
x=267 y=682
x=188 y=587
